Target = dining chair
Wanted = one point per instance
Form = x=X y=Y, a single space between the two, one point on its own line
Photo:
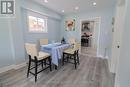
x=71 y=40
x=73 y=54
x=37 y=58
x=43 y=41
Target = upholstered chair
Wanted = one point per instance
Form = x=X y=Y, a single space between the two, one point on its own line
x=38 y=58
x=43 y=41
x=73 y=54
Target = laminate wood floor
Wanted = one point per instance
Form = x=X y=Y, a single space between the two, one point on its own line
x=88 y=51
x=92 y=72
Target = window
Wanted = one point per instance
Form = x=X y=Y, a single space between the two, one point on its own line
x=37 y=24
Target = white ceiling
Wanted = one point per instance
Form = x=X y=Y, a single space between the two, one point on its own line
x=69 y=5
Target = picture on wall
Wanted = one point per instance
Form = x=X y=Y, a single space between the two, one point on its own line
x=70 y=25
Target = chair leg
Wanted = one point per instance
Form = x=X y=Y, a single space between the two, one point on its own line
x=55 y=67
x=35 y=70
x=29 y=64
x=75 y=62
x=50 y=63
x=45 y=62
x=68 y=58
x=42 y=64
x=63 y=59
x=78 y=58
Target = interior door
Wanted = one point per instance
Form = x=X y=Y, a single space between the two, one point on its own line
x=117 y=37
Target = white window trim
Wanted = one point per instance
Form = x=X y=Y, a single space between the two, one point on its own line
x=46 y=21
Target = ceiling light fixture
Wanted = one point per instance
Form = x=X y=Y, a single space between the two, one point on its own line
x=63 y=11
x=94 y=3
x=77 y=8
x=46 y=1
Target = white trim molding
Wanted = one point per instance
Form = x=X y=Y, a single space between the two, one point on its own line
x=18 y=66
x=15 y=67
x=117 y=81
x=97 y=18
x=7 y=68
x=101 y=56
x=106 y=57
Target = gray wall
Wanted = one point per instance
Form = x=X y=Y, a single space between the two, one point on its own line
x=12 y=51
x=53 y=27
x=53 y=24
x=105 y=28
x=14 y=33
x=6 y=57
x=17 y=35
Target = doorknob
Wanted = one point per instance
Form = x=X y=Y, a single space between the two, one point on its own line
x=118 y=46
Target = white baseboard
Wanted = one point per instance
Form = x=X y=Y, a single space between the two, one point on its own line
x=109 y=65
x=100 y=56
x=7 y=68
x=116 y=75
x=117 y=81
x=18 y=66
x=107 y=57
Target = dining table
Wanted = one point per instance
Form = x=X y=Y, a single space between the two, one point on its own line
x=56 y=51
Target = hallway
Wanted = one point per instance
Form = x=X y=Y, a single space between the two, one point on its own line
x=88 y=51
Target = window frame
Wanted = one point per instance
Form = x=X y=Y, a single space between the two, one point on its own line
x=37 y=17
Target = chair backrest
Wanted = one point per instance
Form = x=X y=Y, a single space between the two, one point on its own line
x=72 y=40
x=43 y=41
x=77 y=46
x=31 y=49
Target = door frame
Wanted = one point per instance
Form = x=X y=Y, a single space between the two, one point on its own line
x=98 y=39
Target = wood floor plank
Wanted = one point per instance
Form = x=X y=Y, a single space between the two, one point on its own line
x=92 y=72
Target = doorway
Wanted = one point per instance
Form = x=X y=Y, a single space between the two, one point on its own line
x=90 y=31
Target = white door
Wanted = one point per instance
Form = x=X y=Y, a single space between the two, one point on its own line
x=117 y=37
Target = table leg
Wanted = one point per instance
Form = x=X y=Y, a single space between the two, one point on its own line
x=55 y=67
